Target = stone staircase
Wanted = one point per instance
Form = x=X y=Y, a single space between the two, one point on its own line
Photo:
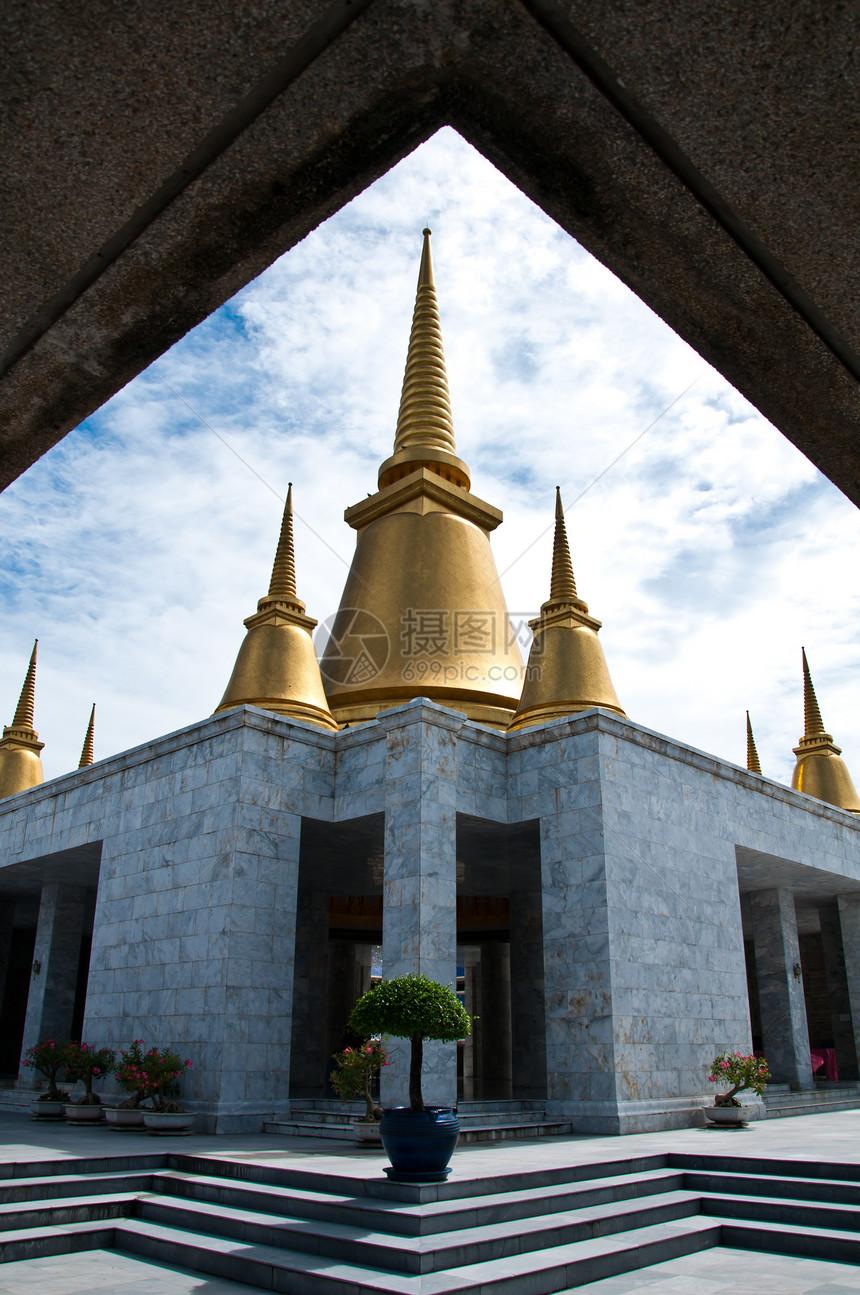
x=780 y=1101
x=317 y=1233
x=498 y=1121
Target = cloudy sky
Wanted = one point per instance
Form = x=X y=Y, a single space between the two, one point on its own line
x=711 y=550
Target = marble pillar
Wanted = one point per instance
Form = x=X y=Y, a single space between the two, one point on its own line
x=849 y=922
x=837 y=992
x=54 y=978
x=528 y=1010
x=419 y=922
x=495 y=1022
x=785 y=1034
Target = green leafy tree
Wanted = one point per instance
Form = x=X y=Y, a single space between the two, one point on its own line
x=740 y=1070
x=416 y=1008
x=86 y=1062
x=49 y=1058
x=356 y=1070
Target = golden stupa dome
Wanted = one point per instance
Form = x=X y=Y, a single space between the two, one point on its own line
x=277 y=668
x=422 y=613
x=567 y=671
x=820 y=770
x=20 y=761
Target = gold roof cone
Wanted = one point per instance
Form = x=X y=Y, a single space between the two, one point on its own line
x=752 y=754
x=88 y=750
x=422 y=613
x=820 y=771
x=567 y=671
x=425 y=425
x=276 y=668
x=20 y=761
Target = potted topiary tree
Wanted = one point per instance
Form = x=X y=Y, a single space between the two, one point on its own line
x=49 y=1058
x=743 y=1071
x=163 y=1070
x=419 y=1140
x=355 y=1071
x=130 y=1074
x=86 y=1062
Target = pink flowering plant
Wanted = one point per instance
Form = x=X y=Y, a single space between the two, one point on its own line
x=130 y=1074
x=86 y=1062
x=742 y=1072
x=356 y=1070
x=49 y=1058
x=163 y=1071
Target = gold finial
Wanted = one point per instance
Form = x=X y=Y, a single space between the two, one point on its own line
x=283 y=581
x=567 y=671
x=24 y=712
x=276 y=668
x=813 y=725
x=562 y=584
x=820 y=771
x=752 y=754
x=87 y=752
x=425 y=425
x=20 y=762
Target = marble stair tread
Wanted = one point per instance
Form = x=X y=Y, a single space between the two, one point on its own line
x=430 y=1253
x=828 y=1190
x=60 y=1185
x=833 y=1244
x=57 y=1212
x=479 y=1133
x=836 y=1216
x=417 y=1220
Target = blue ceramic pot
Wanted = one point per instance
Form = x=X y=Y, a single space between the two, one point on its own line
x=419 y=1143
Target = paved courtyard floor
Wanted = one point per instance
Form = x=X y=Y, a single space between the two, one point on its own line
x=833 y=1138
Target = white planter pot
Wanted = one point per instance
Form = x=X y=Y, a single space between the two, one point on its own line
x=366 y=1134
x=78 y=1114
x=168 y=1122
x=124 y=1117
x=730 y=1117
x=47 y=1110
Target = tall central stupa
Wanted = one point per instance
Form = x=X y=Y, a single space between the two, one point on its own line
x=422 y=612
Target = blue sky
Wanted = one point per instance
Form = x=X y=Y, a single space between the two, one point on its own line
x=711 y=550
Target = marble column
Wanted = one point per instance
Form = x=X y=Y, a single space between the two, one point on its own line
x=309 y=1057
x=849 y=922
x=785 y=1034
x=495 y=1020
x=54 y=978
x=837 y=992
x=528 y=1010
x=419 y=921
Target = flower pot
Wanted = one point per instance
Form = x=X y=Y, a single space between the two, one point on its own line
x=78 y=1113
x=168 y=1122
x=728 y=1117
x=366 y=1133
x=124 y=1117
x=419 y=1143
x=47 y=1110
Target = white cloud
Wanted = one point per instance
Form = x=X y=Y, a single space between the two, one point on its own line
x=711 y=550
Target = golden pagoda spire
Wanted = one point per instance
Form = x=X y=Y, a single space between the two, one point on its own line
x=425 y=425
x=422 y=613
x=820 y=771
x=276 y=668
x=20 y=761
x=567 y=670
x=87 y=752
x=752 y=754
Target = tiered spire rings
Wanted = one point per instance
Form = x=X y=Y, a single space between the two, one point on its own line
x=753 y=763
x=820 y=771
x=276 y=668
x=88 y=751
x=20 y=761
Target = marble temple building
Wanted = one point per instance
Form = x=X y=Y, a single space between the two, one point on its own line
x=620 y=905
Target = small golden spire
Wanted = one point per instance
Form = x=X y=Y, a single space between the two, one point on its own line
x=277 y=668
x=820 y=771
x=20 y=761
x=88 y=750
x=283 y=582
x=567 y=671
x=562 y=585
x=752 y=754
x=24 y=711
x=813 y=725
x=425 y=424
